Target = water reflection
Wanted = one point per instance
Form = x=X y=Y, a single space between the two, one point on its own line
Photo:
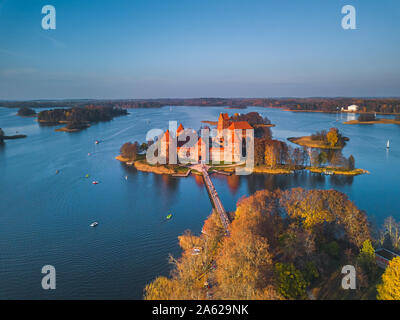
x=339 y=181
x=199 y=181
x=233 y=183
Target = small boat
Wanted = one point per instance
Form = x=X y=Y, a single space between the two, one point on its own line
x=388 y=145
x=196 y=251
x=169 y=217
x=57 y=171
x=94 y=224
x=89 y=154
x=126 y=177
x=95 y=182
x=97 y=142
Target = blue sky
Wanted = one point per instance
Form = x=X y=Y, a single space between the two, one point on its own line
x=198 y=48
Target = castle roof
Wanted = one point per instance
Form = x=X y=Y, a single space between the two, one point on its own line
x=224 y=116
x=180 y=128
x=240 y=125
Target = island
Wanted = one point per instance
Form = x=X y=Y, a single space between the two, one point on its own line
x=77 y=119
x=26 y=112
x=271 y=156
x=332 y=139
x=370 y=118
x=4 y=137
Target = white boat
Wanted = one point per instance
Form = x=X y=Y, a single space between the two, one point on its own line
x=94 y=224
x=388 y=144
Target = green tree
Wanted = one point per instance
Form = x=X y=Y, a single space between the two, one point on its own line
x=366 y=259
x=292 y=284
x=389 y=289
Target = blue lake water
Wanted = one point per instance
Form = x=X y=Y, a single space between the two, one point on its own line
x=45 y=217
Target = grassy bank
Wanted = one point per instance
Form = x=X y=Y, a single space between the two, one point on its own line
x=377 y=121
x=307 y=141
x=337 y=171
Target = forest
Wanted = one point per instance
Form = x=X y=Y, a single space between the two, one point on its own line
x=90 y=113
x=283 y=245
x=381 y=105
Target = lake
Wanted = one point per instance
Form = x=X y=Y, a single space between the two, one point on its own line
x=45 y=217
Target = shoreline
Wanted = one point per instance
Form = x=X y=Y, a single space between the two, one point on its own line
x=322 y=111
x=65 y=129
x=141 y=165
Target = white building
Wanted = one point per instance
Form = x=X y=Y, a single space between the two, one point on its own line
x=352 y=108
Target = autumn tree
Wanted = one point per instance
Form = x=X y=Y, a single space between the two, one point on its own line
x=389 y=289
x=333 y=137
x=276 y=152
x=129 y=150
x=259 y=151
x=244 y=266
x=161 y=288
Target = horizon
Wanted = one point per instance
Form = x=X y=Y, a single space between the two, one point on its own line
x=198 y=98
x=180 y=50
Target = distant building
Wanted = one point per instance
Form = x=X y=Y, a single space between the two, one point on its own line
x=384 y=256
x=352 y=108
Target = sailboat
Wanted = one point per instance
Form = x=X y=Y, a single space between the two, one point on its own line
x=388 y=145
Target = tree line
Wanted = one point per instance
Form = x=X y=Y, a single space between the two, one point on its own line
x=275 y=153
x=385 y=105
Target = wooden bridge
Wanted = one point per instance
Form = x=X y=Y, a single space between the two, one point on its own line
x=214 y=197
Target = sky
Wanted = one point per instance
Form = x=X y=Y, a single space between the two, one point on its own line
x=125 y=49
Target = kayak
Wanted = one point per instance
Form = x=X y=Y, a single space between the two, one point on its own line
x=87 y=176
x=169 y=216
